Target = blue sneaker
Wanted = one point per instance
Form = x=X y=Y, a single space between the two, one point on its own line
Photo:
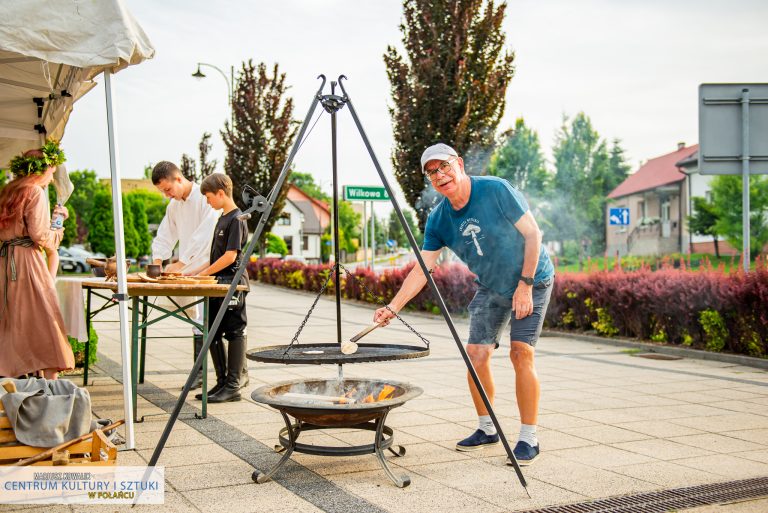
x=477 y=440
x=524 y=454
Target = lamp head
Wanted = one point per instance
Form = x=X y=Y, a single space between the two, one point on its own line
x=198 y=74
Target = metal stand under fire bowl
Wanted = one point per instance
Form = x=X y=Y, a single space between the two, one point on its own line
x=314 y=415
x=384 y=439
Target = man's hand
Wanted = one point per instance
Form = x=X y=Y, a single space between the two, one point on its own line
x=522 y=301
x=174 y=267
x=383 y=315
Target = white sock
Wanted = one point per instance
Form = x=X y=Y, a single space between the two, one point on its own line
x=485 y=424
x=528 y=434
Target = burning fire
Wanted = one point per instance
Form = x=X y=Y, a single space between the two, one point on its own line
x=385 y=393
x=370 y=394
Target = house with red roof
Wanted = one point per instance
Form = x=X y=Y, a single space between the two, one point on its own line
x=301 y=225
x=658 y=196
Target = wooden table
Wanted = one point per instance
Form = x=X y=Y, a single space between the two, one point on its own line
x=140 y=294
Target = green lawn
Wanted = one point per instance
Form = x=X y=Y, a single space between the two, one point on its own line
x=697 y=261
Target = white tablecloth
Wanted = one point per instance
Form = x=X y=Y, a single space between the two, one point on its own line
x=72 y=305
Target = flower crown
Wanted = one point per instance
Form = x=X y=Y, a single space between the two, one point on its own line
x=53 y=155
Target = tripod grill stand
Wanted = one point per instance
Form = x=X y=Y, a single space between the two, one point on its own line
x=332 y=103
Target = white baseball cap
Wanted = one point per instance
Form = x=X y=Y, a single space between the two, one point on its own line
x=437 y=151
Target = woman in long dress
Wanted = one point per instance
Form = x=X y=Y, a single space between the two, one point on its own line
x=32 y=333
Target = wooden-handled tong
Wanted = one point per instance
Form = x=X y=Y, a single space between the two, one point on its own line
x=365 y=332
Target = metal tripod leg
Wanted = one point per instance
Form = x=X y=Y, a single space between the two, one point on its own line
x=263 y=477
x=400 y=482
x=433 y=286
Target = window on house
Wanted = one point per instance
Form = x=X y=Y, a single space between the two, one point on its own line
x=640 y=209
x=305 y=243
x=289 y=242
x=284 y=219
x=708 y=196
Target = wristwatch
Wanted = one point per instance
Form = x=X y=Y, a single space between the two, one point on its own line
x=526 y=280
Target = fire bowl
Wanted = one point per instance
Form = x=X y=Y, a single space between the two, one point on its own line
x=328 y=403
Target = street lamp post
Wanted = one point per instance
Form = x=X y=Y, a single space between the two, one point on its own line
x=230 y=84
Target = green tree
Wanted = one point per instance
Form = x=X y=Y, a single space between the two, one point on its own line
x=154 y=204
x=258 y=143
x=727 y=202
x=101 y=232
x=276 y=245
x=585 y=172
x=397 y=233
x=349 y=227
x=148 y=171
x=704 y=220
x=449 y=86
x=519 y=160
x=135 y=203
x=618 y=167
x=86 y=185
x=131 y=238
x=306 y=182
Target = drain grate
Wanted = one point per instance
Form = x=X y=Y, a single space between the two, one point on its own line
x=669 y=500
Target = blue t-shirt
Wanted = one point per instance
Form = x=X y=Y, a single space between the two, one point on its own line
x=483 y=235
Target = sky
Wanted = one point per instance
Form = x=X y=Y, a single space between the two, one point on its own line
x=632 y=66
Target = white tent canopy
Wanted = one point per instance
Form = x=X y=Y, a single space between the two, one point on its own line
x=50 y=50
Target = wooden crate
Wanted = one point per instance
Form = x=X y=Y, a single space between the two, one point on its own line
x=95 y=450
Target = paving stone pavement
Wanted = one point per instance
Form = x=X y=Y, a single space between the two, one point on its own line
x=610 y=423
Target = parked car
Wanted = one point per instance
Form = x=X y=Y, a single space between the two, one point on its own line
x=74 y=260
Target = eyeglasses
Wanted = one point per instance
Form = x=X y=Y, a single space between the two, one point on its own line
x=444 y=167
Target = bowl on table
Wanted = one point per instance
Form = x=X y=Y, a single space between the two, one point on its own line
x=154 y=270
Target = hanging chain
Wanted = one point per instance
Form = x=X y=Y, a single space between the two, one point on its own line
x=359 y=280
x=382 y=303
x=309 y=313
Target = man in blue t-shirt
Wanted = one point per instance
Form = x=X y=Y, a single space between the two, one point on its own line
x=488 y=224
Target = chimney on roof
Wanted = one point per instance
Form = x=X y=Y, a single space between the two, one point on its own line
x=680 y=146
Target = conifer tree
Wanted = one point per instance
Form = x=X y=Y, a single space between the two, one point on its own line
x=519 y=160
x=449 y=86
x=258 y=143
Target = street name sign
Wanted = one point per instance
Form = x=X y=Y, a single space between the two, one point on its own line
x=365 y=193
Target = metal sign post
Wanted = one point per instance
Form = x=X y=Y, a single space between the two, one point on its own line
x=733 y=138
x=373 y=238
x=366 y=193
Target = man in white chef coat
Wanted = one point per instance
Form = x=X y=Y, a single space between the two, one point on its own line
x=188 y=221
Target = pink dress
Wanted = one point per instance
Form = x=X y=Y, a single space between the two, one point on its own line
x=32 y=334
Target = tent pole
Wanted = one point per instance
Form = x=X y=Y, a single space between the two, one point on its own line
x=122 y=283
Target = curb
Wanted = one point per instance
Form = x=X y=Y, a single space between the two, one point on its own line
x=736 y=359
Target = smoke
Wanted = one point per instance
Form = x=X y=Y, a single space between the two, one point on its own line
x=355 y=391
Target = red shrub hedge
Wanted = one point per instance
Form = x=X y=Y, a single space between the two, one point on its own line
x=455 y=282
x=706 y=309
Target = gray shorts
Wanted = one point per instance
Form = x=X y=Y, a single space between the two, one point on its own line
x=489 y=313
